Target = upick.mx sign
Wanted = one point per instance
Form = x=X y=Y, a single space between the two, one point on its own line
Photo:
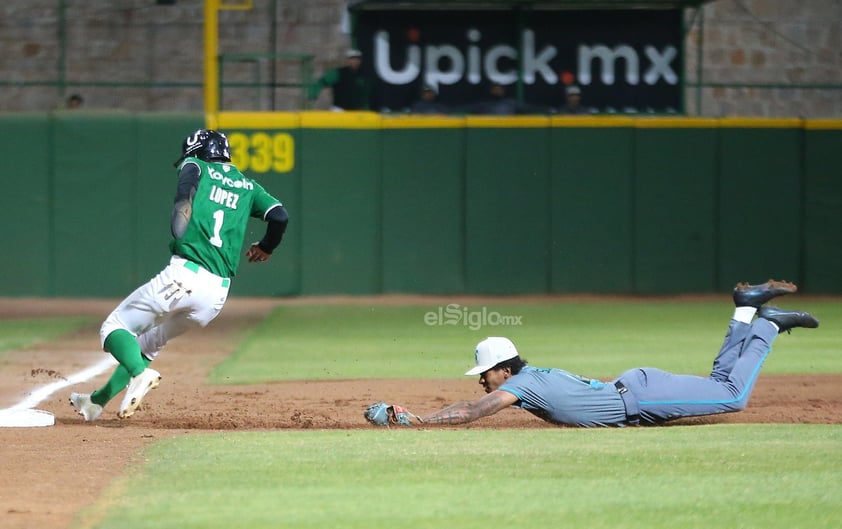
x=630 y=59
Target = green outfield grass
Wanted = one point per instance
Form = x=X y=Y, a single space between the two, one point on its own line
x=722 y=476
x=22 y=333
x=593 y=338
x=702 y=476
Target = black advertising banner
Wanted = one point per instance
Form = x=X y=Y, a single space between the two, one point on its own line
x=623 y=61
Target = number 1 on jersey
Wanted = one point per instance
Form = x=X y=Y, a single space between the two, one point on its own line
x=218 y=217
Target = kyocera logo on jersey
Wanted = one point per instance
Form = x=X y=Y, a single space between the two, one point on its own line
x=477 y=63
x=227 y=181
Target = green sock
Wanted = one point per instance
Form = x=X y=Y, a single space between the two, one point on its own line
x=120 y=378
x=124 y=347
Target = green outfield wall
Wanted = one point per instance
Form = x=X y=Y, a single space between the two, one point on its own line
x=437 y=205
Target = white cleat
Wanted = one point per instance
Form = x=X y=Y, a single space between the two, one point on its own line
x=85 y=406
x=138 y=388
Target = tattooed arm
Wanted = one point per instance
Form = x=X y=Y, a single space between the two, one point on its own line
x=467 y=411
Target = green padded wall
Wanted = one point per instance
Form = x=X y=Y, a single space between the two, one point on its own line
x=507 y=213
x=760 y=215
x=159 y=138
x=340 y=211
x=459 y=205
x=591 y=173
x=823 y=211
x=26 y=237
x=423 y=204
x=95 y=159
x=675 y=200
x=281 y=275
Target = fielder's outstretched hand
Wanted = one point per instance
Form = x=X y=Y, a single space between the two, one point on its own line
x=383 y=414
x=256 y=255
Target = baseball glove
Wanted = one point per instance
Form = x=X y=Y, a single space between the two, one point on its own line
x=382 y=414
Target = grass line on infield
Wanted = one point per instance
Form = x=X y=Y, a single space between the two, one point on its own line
x=22 y=333
x=770 y=476
x=592 y=338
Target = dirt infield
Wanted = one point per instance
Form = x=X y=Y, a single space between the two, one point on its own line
x=49 y=474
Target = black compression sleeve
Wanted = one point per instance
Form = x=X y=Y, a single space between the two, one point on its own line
x=277 y=219
x=188 y=181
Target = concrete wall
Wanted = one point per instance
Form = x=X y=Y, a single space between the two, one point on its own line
x=771 y=47
x=752 y=50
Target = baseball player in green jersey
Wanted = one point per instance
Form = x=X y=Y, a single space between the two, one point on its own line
x=213 y=203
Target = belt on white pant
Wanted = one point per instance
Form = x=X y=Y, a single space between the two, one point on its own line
x=630 y=403
x=195 y=267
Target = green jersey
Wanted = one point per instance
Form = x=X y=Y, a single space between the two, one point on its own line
x=221 y=207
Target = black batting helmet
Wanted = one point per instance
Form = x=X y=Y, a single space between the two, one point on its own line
x=205 y=144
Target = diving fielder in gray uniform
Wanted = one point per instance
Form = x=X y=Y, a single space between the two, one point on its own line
x=647 y=396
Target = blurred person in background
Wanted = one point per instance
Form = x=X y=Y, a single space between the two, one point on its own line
x=74 y=101
x=427 y=104
x=351 y=87
x=498 y=103
x=573 y=102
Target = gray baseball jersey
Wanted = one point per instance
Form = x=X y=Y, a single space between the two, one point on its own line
x=561 y=397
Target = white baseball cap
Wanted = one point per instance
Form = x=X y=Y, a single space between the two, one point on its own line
x=491 y=352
